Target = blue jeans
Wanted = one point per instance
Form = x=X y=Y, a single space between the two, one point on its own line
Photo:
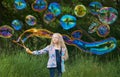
x=59 y=72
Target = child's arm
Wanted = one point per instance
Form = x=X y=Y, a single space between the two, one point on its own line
x=42 y=51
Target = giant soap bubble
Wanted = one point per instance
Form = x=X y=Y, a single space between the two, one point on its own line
x=80 y=10
x=30 y=20
x=6 y=31
x=95 y=7
x=39 y=5
x=103 y=30
x=55 y=8
x=17 y=24
x=77 y=34
x=48 y=17
x=108 y=15
x=68 y=21
x=20 y=4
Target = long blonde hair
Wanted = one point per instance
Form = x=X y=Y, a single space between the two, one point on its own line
x=61 y=44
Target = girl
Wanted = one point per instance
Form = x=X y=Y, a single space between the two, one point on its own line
x=57 y=54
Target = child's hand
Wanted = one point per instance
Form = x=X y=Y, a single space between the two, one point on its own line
x=28 y=50
x=63 y=57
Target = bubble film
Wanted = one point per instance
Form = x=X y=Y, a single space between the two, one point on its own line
x=20 y=4
x=80 y=10
x=103 y=30
x=6 y=31
x=17 y=24
x=39 y=5
x=76 y=34
x=68 y=22
x=30 y=20
x=108 y=15
x=95 y=7
x=48 y=17
x=54 y=8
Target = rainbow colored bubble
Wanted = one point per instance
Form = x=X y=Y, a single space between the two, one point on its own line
x=20 y=4
x=95 y=7
x=68 y=21
x=77 y=34
x=98 y=47
x=80 y=10
x=48 y=17
x=17 y=24
x=30 y=20
x=39 y=5
x=103 y=30
x=108 y=15
x=54 y=8
x=6 y=31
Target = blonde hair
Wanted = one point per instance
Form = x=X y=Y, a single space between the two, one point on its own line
x=61 y=43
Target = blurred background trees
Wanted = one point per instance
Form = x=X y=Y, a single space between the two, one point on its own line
x=9 y=13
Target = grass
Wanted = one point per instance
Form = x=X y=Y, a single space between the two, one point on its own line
x=25 y=65
x=90 y=67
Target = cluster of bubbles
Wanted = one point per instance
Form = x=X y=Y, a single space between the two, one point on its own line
x=54 y=10
x=69 y=21
x=7 y=32
x=106 y=15
x=102 y=30
x=18 y=24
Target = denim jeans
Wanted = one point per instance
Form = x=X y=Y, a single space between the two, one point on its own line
x=53 y=71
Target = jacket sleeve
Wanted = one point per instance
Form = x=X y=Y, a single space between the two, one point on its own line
x=63 y=52
x=42 y=51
